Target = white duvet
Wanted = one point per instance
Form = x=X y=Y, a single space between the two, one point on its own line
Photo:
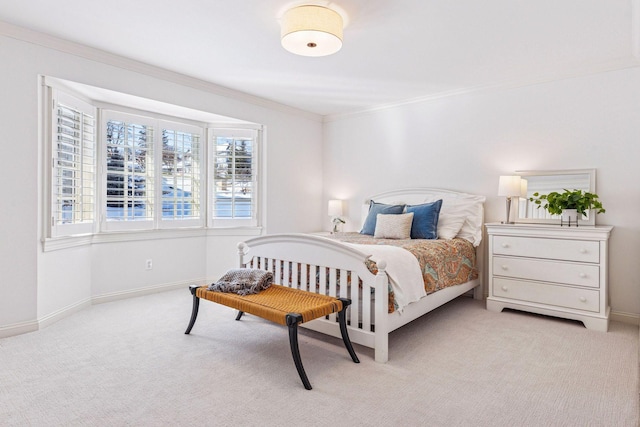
x=403 y=270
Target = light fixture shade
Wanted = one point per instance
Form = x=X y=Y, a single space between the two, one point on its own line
x=311 y=31
x=335 y=208
x=509 y=186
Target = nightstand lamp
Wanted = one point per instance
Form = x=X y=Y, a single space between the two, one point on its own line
x=335 y=211
x=510 y=186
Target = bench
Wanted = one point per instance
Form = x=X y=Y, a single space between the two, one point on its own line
x=282 y=305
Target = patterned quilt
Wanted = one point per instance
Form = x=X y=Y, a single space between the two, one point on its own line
x=443 y=263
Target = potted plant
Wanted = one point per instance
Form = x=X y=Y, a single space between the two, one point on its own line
x=568 y=204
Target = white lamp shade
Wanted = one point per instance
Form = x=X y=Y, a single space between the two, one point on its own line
x=335 y=208
x=311 y=31
x=510 y=186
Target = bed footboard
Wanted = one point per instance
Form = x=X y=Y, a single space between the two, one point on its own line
x=324 y=266
x=320 y=265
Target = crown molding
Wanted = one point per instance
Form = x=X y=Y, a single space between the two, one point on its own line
x=98 y=55
x=632 y=61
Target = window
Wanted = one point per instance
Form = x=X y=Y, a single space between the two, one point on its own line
x=181 y=174
x=128 y=147
x=153 y=177
x=73 y=169
x=234 y=176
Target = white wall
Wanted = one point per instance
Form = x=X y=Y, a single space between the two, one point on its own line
x=19 y=178
x=36 y=285
x=466 y=142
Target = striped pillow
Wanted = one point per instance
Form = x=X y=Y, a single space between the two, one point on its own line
x=393 y=226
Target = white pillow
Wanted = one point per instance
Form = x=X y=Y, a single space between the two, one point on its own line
x=393 y=226
x=449 y=225
x=469 y=207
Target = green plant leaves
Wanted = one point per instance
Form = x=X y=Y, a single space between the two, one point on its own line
x=555 y=202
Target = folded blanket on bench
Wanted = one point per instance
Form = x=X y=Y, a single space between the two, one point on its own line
x=243 y=281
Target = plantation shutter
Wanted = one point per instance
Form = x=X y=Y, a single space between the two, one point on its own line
x=73 y=176
x=130 y=164
x=234 y=188
x=182 y=175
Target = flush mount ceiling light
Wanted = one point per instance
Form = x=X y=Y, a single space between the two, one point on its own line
x=311 y=31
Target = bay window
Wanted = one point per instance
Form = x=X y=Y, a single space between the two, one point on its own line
x=126 y=169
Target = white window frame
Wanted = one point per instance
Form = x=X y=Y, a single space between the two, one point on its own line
x=236 y=131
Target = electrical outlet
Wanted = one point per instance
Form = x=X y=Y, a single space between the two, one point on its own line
x=148 y=264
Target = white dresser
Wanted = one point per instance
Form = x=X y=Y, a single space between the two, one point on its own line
x=551 y=270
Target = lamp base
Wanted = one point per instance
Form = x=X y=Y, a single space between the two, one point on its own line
x=337 y=225
x=508 y=212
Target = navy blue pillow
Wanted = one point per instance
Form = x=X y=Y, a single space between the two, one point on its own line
x=425 y=220
x=369 y=226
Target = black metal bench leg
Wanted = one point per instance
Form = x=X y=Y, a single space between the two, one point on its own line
x=194 y=311
x=239 y=316
x=292 y=321
x=342 y=319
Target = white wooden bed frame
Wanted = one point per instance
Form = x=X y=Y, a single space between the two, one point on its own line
x=307 y=256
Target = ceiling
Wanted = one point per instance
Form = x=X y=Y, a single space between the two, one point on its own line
x=394 y=50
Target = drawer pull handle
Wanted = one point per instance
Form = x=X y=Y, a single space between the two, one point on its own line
x=582 y=275
x=583 y=251
x=583 y=299
x=504 y=267
x=505 y=245
x=504 y=288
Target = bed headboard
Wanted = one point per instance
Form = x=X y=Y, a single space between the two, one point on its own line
x=454 y=204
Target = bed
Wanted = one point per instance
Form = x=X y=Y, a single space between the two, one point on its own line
x=344 y=266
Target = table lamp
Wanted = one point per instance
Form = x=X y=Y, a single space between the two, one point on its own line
x=509 y=186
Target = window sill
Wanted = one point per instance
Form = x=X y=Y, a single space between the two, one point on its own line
x=59 y=243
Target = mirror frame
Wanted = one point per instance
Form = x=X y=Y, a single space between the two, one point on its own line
x=591 y=220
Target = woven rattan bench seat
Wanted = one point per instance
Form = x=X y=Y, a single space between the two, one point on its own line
x=282 y=305
x=276 y=302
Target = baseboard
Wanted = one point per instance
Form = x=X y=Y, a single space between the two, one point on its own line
x=620 y=316
x=18 y=329
x=43 y=322
x=52 y=318
x=115 y=296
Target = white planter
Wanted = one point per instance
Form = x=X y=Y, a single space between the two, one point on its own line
x=569 y=216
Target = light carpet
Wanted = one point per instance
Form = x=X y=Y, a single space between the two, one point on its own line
x=128 y=363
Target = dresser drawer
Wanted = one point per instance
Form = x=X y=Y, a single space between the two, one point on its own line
x=561 y=296
x=567 y=250
x=547 y=271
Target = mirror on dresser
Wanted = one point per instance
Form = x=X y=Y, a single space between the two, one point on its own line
x=545 y=182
